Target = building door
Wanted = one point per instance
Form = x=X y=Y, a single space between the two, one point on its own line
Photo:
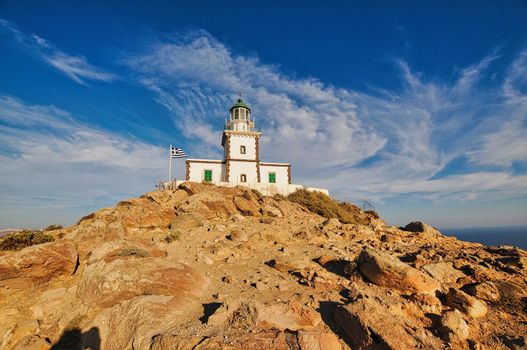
x=207 y=176
x=272 y=178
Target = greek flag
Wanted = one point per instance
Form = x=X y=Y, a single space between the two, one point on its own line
x=177 y=153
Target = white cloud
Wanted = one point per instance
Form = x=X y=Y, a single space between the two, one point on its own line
x=383 y=144
x=55 y=168
x=76 y=68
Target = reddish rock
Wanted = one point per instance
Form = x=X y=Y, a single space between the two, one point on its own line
x=466 y=303
x=291 y=316
x=370 y=325
x=105 y=284
x=388 y=271
x=246 y=207
x=452 y=322
x=37 y=264
x=486 y=291
x=318 y=341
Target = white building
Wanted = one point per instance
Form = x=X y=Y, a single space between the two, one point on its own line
x=241 y=164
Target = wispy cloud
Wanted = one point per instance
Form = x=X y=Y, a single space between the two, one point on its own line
x=76 y=68
x=56 y=167
x=355 y=143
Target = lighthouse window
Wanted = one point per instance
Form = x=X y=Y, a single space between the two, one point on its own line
x=236 y=112
x=242 y=149
x=272 y=178
x=243 y=178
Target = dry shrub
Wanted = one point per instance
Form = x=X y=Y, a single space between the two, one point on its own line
x=258 y=194
x=173 y=236
x=132 y=251
x=23 y=239
x=373 y=213
x=53 y=227
x=323 y=205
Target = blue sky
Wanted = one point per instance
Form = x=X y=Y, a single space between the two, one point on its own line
x=421 y=107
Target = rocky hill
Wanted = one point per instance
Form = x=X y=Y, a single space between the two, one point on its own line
x=204 y=267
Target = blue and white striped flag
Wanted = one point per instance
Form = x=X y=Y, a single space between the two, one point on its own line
x=177 y=153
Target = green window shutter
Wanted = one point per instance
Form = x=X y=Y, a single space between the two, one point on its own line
x=208 y=175
x=272 y=178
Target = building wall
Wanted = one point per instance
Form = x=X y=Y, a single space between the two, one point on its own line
x=237 y=140
x=265 y=189
x=236 y=168
x=281 y=171
x=198 y=167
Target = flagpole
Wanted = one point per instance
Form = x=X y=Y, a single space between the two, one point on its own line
x=170 y=165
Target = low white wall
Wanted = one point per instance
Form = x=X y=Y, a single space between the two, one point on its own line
x=265 y=189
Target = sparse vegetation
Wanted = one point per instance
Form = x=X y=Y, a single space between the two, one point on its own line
x=53 y=227
x=279 y=197
x=173 y=236
x=132 y=251
x=257 y=193
x=327 y=207
x=23 y=239
x=373 y=213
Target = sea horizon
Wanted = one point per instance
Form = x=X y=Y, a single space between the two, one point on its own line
x=490 y=235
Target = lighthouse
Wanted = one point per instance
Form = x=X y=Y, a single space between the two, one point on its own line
x=241 y=164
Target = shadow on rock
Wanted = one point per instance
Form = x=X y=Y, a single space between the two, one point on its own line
x=74 y=339
x=208 y=310
x=327 y=312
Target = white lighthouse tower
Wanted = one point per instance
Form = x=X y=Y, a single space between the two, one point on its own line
x=240 y=142
x=241 y=163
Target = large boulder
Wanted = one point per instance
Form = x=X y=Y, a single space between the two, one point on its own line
x=133 y=323
x=105 y=284
x=444 y=272
x=370 y=325
x=487 y=291
x=215 y=203
x=36 y=265
x=452 y=323
x=290 y=316
x=246 y=207
x=462 y=301
x=423 y=229
x=388 y=271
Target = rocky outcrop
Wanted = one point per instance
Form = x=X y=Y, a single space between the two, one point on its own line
x=453 y=324
x=37 y=265
x=370 y=324
x=487 y=291
x=206 y=267
x=464 y=302
x=107 y=283
x=387 y=271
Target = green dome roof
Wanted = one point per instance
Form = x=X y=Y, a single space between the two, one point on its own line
x=240 y=103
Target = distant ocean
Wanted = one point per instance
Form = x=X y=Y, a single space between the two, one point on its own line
x=513 y=235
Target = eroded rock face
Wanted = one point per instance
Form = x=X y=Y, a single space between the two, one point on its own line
x=196 y=268
x=422 y=228
x=246 y=207
x=388 y=271
x=452 y=322
x=465 y=303
x=37 y=265
x=369 y=326
x=107 y=283
x=444 y=272
x=487 y=291
x=290 y=316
